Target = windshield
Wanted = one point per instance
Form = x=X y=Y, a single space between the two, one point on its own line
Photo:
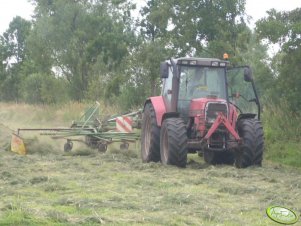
x=241 y=93
x=198 y=82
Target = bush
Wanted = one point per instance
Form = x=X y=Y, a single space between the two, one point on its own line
x=54 y=90
x=46 y=89
x=33 y=82
x=131 y=97
x=9 y=89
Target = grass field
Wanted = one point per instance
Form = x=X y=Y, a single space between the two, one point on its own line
x=50 y=187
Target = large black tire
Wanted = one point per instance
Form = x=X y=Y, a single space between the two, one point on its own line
x=150 y=136
x=251 y=151
x=173 y=145
x=216 y=158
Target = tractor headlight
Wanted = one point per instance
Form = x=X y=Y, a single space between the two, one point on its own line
x=214 y=64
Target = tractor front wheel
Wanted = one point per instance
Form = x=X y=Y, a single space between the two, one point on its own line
x=173 y=145
x=150 y=135
x=251 y=151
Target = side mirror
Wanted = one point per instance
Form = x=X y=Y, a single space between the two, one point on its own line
x=248 y=77
x=164 y=69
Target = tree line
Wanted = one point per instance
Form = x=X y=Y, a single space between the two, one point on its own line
x=102 y=50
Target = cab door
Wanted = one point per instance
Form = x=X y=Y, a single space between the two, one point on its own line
x=167 y=90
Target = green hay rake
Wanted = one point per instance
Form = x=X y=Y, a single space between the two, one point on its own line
x=93 y=132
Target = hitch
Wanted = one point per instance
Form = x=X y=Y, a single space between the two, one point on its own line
x=221 y=119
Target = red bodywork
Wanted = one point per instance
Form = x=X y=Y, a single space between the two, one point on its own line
x=197 y=111
x=159 y=106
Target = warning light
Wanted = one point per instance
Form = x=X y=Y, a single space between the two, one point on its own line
x=226 y=56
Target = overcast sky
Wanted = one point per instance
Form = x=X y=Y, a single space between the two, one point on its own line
x=255 y=8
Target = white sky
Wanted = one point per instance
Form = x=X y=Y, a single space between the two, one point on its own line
x=11 y=8
x=255 y=8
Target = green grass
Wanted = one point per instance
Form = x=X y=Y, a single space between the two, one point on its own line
x=84 y=187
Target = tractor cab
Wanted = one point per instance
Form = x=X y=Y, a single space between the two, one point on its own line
x=202 y=80
x=196 y=78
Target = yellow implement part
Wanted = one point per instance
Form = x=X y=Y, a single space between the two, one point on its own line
x=17 y=145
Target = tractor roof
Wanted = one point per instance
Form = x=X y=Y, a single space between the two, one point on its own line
x=200 y=61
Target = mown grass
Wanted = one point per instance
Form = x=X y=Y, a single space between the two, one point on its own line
x=119 y=190
x=84 y=187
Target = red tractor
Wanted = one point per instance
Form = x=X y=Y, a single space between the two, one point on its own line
x=208 y=107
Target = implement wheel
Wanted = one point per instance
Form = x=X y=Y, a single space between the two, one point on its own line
x=150 y=135
x=173 y=145
x=68 y=146
x=124 y=146
x=102 y=147
x=251 y=151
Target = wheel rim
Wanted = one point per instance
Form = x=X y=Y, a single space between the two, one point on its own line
x=165 y=147
x=147 y=136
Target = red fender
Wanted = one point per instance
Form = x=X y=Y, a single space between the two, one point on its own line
x=159 y=106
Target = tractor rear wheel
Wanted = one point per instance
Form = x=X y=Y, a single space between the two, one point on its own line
x=251 y=151
x=150 y=135
x=216 y=158
x=173 y=145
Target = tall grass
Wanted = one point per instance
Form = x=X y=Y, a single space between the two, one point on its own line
x=55 y=115
x=281 y=123
x=282 y=134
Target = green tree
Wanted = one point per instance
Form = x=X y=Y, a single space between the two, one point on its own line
x=213 y=25
x=15 y=38
x=13 y=54
x=153 y=49
x=284 y=29
x=81 y=36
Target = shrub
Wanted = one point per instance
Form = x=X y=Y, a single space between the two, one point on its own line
x=46 y=89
